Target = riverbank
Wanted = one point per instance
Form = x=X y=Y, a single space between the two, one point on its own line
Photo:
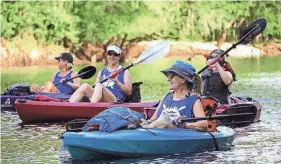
x=28 y=54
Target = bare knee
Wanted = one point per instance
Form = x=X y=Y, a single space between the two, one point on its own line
x=84 y=87
x=98 y=85
x=98 y=88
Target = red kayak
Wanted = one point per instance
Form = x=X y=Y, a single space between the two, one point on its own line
x=39 y=111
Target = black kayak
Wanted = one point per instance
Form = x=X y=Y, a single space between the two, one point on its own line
x=8 y=101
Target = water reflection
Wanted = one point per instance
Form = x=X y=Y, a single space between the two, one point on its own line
x=176 y=158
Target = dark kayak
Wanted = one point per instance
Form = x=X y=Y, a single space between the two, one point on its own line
x=8 y=101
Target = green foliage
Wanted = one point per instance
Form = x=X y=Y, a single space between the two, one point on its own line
x=104 y=20
x=47 y=21
x=99 y=22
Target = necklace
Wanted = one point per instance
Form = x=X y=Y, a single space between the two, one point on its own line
x=185 y=96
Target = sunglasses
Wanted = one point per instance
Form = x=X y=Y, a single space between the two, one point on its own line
x=171 y=75
x=113 y=54
x=62 y=60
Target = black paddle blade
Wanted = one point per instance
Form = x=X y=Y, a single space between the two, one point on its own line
x=259 y=25
x=87 y=72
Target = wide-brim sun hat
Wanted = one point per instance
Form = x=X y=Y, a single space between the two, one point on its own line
x=183 y=69
x=114 y=48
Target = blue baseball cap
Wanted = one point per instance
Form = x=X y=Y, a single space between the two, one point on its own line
x=183 y=69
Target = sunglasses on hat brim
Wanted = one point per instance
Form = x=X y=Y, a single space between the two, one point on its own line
x=113 y=54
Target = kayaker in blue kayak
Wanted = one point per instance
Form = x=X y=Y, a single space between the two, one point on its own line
x=218 y=78
x=65 y=65
x=181 y=102
x=114 y=89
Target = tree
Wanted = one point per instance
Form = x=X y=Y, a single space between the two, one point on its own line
x=47 y=21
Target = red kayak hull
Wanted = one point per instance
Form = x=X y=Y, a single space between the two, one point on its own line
x=38 y=111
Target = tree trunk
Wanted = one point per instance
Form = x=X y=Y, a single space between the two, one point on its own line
x=221 y=39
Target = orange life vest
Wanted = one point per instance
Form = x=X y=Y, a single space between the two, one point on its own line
x=209 y=106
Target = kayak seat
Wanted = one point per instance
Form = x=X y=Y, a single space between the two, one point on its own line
x=76 y=125
x=148 y=112
x=134 y=97
x=136 y=94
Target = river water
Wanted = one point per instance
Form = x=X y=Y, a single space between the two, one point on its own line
x=258 y=143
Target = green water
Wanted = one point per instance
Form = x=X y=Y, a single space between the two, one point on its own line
x=257 y=143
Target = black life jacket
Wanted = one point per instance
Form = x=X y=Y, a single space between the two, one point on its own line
x=214 y=86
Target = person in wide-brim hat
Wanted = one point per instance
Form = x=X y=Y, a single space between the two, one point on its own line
x=180 y=102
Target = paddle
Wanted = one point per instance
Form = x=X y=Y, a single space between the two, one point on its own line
x=84 y=73
x=155 y=51
x=246 y=36
x=216 y=117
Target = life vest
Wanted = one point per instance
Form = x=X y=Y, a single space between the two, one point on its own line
x=18 y=89
x=112 y=119
x=214 y=86
x=209 y=106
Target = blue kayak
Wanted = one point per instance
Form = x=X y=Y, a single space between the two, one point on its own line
x=140 y=142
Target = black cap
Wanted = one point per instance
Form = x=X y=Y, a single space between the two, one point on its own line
x=65 y=56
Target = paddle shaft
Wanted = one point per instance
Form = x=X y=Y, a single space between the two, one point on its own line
x=233 y=46
x=73 y=77
x=116 y=73
x=217 y=117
